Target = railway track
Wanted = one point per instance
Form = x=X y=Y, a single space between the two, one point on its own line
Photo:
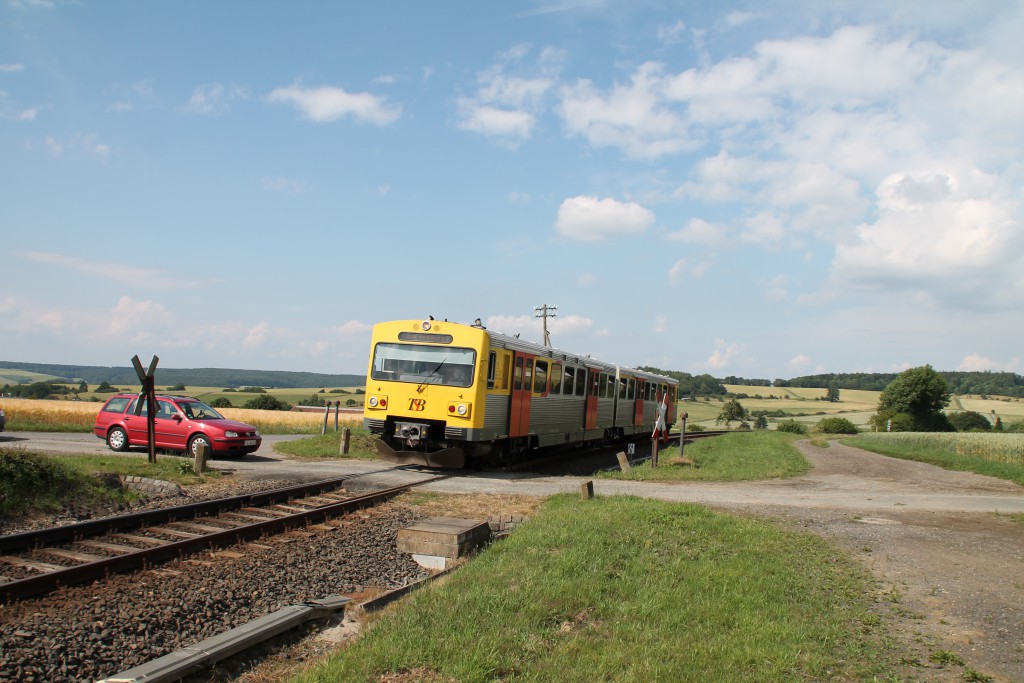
x=37 y=562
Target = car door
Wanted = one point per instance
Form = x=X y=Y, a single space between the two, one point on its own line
x=138 y=431
x=170 y=426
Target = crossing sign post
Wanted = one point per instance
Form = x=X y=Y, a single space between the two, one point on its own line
x=147 y=397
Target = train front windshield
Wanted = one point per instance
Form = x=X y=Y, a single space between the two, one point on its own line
x=452 y=367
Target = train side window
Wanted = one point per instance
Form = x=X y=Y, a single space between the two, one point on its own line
x=623 y=386
x=528 y=374
x=581 y=381
x=631 y=389
x=556 y=379
x=567 y=381
x=492 y=357
x=517 y=383
x=540 y=376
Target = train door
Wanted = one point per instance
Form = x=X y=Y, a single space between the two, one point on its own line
x=592 y=388
x=638 y=403
x=522 y=388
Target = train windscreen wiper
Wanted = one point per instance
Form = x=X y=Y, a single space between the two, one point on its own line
x=430 y=374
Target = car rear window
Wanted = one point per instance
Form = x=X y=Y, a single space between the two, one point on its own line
x=116 y=405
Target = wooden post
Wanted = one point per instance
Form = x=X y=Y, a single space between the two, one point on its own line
x=623 y=462
x=682 y=433
x=327 y=411
x=337 y=409
x=587 y=490
x=202 y=455
x=346 y=436
x=654 y=451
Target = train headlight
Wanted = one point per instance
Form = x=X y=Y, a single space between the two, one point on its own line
x=377 y=402
x=425 y=325
x=460 y=409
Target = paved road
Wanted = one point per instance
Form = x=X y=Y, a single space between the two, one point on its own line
x=874 y=483
x=88 y=444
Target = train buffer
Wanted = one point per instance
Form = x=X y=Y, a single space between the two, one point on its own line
x=436 y=542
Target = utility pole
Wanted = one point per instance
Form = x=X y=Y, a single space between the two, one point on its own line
x=545 y=312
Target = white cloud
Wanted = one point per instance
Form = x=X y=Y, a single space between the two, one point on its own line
x=287 y=185
x=326 y=103
x=505 y=106
x=724 y=354
x=978 y=363
x=672 y=34
x=592 y=219
x=773 y=290
x=698 y=231
x=531 y=328
x=140 y=276
x=350 y=328
x=586 y=279
x=213 y=99
x=132 y=96
x=633 y=117
x=11 y=68
x=947 y=235
x=660 y=324
x=799 y=363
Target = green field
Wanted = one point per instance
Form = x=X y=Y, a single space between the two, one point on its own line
x=857 y=406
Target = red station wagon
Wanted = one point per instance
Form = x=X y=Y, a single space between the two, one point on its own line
x=181 y=424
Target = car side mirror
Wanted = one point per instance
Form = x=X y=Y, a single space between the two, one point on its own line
x=177 y=417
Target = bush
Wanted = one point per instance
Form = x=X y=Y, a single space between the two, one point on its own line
x=267 y=402
x=1016 y=427
x=220 y=402
x=29 y=480
x=177 y=387
x=969 y=421
x=791 y=427
x=835 y=425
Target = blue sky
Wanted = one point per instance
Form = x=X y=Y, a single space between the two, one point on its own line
x=754 y=189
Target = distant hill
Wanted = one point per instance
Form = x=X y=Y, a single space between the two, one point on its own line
x=202 y=377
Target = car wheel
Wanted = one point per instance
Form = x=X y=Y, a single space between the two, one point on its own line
x=195 y=443
x=117 y=439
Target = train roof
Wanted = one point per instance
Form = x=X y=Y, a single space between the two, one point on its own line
x=514 y=343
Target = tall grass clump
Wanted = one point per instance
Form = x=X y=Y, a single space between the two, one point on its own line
x=992 y=454
x=30 y=482
x=627 y=589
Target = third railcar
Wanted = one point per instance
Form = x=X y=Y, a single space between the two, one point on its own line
x=442 y=393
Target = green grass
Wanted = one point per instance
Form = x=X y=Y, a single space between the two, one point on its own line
x=35 y=482
x=940 y=450
x=730 y=457
x=627 y=589
x=329 y=446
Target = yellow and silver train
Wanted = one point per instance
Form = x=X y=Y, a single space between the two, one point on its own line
x=446 y=394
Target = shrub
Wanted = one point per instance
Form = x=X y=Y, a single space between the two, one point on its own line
x=177 y=387
x=267 y=402
x=791 y=427
x=1016 y=427
x=969 y=421
x=835 y=425
x=28 y=479
x=220 y=402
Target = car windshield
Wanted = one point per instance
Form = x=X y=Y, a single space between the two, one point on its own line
x=197 y=410
x=420 y=364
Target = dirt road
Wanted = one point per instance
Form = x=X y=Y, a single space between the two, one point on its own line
x=953 y=581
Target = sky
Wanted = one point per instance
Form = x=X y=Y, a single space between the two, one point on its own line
x=764 y=190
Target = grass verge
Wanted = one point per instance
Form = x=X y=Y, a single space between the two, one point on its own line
x=936 y=454
x=329 y=446
x=729 y=457
x=628 y=589
x=36 y=483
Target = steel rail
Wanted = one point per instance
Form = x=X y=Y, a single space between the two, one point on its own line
x=134 y=520
x=44 y=583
